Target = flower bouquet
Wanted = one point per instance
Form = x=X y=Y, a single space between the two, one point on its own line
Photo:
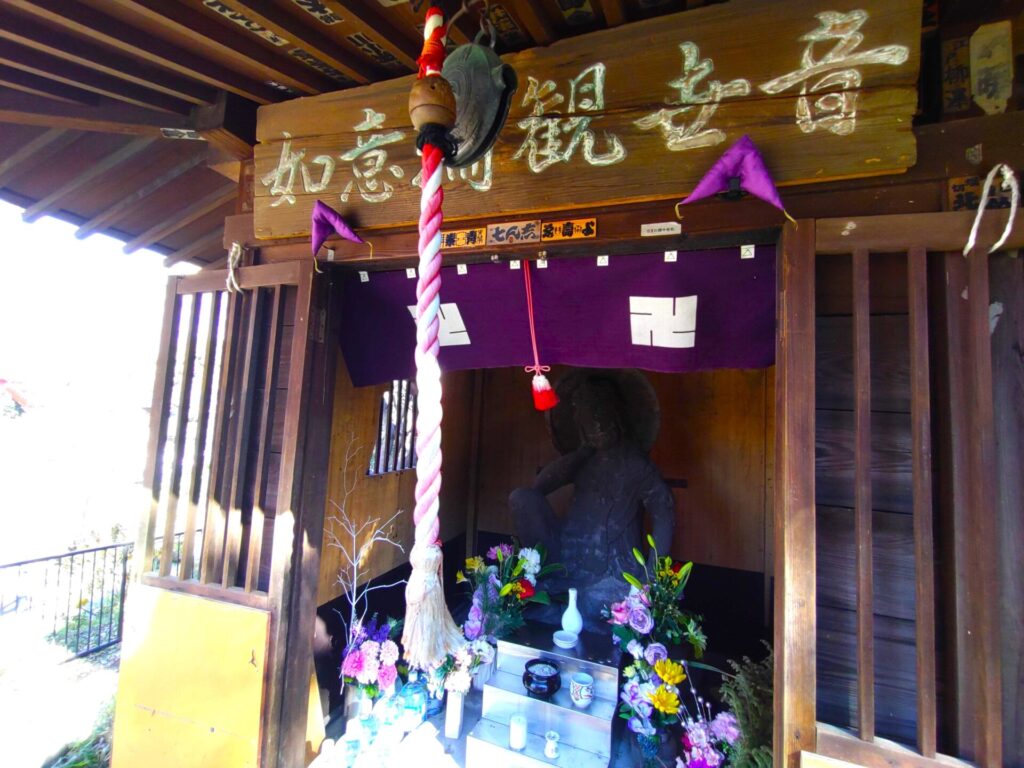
x=371 y=657
x=707 y=742
x=502 y=585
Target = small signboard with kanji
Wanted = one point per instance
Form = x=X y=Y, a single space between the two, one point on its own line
x=571 y=229
x=464 y=238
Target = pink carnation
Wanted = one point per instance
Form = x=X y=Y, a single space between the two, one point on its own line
x=725 y=727
x=353 y=664
x=388 y=652
x=368 y=674
x=387 y=676
x=619 y=613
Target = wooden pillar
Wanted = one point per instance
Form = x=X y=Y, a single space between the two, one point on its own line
x=795 y=610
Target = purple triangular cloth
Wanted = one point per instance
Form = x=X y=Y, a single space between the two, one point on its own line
x=741 y=161
x=327 y=221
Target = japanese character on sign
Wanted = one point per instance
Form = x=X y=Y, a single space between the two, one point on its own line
x=573 y=229
x=693 y=133
x=513 y=232
x=282 y=179
x=464 y=238
x=479 y=176
x=834 y=73
x=553 y=138
x=369 y=160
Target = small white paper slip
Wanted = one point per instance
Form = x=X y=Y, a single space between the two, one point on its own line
x=602 y=261
x=461 y=269
x=411 y=273
x=746 y=251
x=660 y=228
x=364 y=277
x=330 y=256
x=514 y=264
x=542 y=263
x=671 y=256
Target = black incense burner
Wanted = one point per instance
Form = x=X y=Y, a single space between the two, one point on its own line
x=541 y=678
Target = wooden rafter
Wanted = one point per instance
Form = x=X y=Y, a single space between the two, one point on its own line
x=243 y=51
x=182 y=218
x=229 y=124
x=106 y=116
x=396 y=42
x=69 y=73
x=124 y=206
x=111 y=161
x=196 y=247
x=614 y=11
x=45 y=39
x=51 y=142
x=99 y=27
x=310 y=39
x=535 y=21
x=27 y=82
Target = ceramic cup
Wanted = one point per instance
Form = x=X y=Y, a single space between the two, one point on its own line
x=581 y=689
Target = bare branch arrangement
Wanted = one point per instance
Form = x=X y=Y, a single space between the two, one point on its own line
x=356 y=541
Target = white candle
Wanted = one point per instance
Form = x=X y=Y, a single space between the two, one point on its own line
x=517 y=732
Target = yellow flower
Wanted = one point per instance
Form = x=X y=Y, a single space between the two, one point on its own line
x=474 y=563
x=665 y=700
x=670 y=672
x=460 y=578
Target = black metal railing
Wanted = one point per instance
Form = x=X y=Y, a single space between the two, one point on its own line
x=75 y=599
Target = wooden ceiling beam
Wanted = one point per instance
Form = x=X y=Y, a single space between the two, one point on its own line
x=614 y=12
x=395 y=41
x=69 y=73
x=241 y=50
x=309 y=39
x=182 y=218
x=107 y=116
x=50 y=142
x=28 y=82
x=45 y=39
x=536 y=22
x=111 y=161
x=229 y=124
x=124 y=206
x=204 y=243
x=87 y=22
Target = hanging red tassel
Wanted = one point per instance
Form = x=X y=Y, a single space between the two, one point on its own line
x=544 y=397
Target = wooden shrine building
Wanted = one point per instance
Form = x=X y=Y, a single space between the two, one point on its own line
x=861 y=498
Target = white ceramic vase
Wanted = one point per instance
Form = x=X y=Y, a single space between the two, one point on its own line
x=572 y=619
x=453 y=715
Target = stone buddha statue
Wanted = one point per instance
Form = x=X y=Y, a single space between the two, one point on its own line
x=604 y=425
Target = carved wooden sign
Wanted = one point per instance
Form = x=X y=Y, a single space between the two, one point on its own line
x=824 y=87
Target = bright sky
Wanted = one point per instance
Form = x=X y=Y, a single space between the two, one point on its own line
x=79 y=328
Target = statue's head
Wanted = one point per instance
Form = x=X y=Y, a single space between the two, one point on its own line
x=598 y=409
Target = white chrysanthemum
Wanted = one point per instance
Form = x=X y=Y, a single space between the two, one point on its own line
x=530 y=558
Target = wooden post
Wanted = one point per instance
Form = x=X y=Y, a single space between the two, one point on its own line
x=795 y=614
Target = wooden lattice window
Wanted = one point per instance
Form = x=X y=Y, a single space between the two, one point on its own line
x=394 y=449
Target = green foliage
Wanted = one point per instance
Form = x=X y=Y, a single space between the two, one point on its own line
x=94 y=750
x=748 y=693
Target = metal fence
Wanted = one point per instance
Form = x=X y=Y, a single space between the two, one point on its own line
x=75 y=599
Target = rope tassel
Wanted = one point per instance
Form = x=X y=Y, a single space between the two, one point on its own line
x=429 y=633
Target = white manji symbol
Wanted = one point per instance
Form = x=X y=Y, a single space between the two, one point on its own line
x=657 y=321
x=452 y=331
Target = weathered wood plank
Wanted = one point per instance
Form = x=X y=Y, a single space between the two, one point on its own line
x=578 y=141
x=947 y=231
x=794 y=550
x=862 y=493
x=882 y=753
x=924 y=547
x=890 y=370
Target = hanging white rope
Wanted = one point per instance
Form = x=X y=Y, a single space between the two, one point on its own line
x=234 y=260
x=1009 y=182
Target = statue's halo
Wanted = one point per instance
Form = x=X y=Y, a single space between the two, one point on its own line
x=642 y=414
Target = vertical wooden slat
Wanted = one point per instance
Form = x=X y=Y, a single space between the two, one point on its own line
x=240 y=448
x=180 y=429
x=202 y=428
x=252 y=569
x=984 y=591
x=158 y=417
x=215 y=522
x=924 y=547
x=795 y=589
x=862 y=494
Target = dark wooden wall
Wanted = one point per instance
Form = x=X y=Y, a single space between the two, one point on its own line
x=893 y=539
x=716 y=438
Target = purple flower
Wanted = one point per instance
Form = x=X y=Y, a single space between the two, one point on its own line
x=472 y=629
x=352 y=666
x=640 y=619
x=655 y=652
x=505 y=549
x=631 y=693
x=387 y=676
x=476 y=613
x=725 y=727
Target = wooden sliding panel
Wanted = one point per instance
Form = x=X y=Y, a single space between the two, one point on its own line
x=924 y=546
x=158 y=419
x=795 y=660
x=984 y=602
x=862 y=494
